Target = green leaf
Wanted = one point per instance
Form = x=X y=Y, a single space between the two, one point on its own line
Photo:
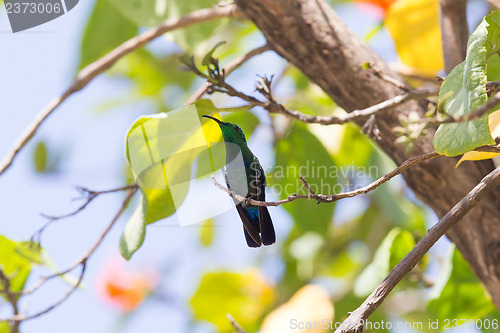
x=146 y=13
x=355 y=149
x=207 y=233
x=194 y=39
x=458 y=294
x=151 y=73
x=134 y=233
x=40 y=157
x=245 y=296
x=302 y=154
x=208 y=57
x=106 y=29
x=392 y=249
x=153 y=12
x=464 y=90
x=16 y=260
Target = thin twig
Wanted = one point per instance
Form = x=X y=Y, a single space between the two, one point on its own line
x=89 y=196
x=229 y=68
x=363 y=113
x=217 y=83
x=99 y=66
x=355 y=321
x=81 y=262
x=478 y=113
x=236 y=326
x=334 y=197
x=488 y=149
x=275 y=107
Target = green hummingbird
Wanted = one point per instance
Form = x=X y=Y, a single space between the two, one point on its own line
x=248 y=180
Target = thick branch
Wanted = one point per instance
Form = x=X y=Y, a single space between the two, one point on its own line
x=99 y=66
x=454 y=32
x=354 y=323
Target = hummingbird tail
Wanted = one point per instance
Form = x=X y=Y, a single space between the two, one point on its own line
x=266 y=226
x=250 y=227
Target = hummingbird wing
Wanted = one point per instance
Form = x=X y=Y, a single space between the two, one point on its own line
x=267 y=232
x=250 y=223
x=250 y=226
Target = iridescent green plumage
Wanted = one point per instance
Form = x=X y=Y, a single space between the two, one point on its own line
x=248 y=180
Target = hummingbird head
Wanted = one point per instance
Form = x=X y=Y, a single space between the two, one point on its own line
x=230 y=132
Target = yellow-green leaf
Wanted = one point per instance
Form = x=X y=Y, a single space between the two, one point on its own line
x=245 y=296
x=207 y=233
x=16 y=260
x=40 y=157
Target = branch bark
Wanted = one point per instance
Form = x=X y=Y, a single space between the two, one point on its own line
x=310 y=35
x=454 y=32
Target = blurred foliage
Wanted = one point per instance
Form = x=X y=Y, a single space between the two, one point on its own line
x=207 y=233
x=310 y=304
x=245 y=296
x=40 y=157
x=106 y=29
x=300 y=153
x=46 y=159
x=16 y=261
x=390 y=252
x=458 y=294
x=4 y=327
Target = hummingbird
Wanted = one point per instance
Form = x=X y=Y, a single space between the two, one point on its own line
x=247 y=180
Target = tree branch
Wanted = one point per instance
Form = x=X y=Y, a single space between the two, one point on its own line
x=454 y=32
x=333 y=197
x=217 y=83
x=229 y=68
x=89 y=196
x=355 y=321
x=99 y=66
x=476 y=114
x=236 y=326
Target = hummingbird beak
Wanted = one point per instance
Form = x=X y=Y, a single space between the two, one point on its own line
x=213 y=118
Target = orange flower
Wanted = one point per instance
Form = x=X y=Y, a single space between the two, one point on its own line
x=384 y=4
x=124 y=289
